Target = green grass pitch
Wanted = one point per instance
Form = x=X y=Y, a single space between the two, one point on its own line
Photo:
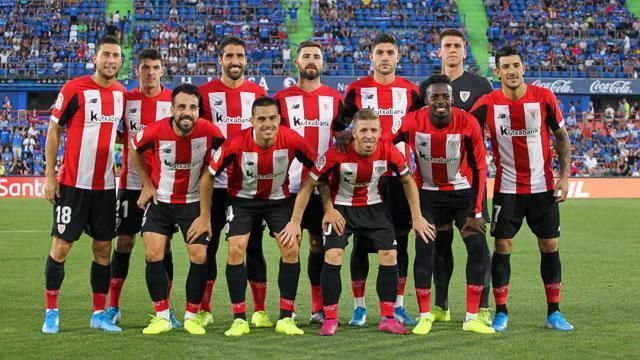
x=601 y=296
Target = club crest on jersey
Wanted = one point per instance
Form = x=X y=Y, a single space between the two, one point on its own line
x=216 y=156
x=396 y=126
x=379 y=170
x=454 y=145
x=532 y=115
x=280 y=160
x=61 y=228
x=321 y=162
x=139 y=136
x=464 y=95
x=59 y=101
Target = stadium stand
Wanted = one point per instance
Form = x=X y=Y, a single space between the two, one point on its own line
x=580 y=39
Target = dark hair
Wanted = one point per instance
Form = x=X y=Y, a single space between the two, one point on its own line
x=109 y=39
x=433 y=79
x=230 y=40
x=506 y=51
x=309 y=43
x=151 y=54
x=188 y=89
x=383 y=38
x=452 y=32
x=263 y=101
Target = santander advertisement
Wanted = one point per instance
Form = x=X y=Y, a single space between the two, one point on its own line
x=579 y=188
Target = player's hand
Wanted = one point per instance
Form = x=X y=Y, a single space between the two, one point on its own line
x=147 y=193
x=198 y=227
x=475 y=225
x=343 y=138
x=562 y=190
x=424 y=229
x=52 y=190
x=290 y=234
x=335 y=219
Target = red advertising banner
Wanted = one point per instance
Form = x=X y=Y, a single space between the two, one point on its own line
x=579 y=188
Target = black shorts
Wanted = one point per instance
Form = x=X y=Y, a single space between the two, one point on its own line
x=78 y=210
x=393 y=194
x=444 y=207
x=218 y=210
x=128 y=214
x=243 y=215
x=162 y=219
x=372 y=222
x=541 y=210
x=313 y=214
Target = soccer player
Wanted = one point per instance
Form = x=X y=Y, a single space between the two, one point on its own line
x=313 y=110
x=391 y=97
x=466 y=90
x=144 y=105
x=83 y=195
x=451 y=174
x=181 y=145
x=520 y=118
x=227 y=103
x=353 y=179
x=259 y=160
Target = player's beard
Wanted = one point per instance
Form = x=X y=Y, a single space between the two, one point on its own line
x=231 y=75
x=107 y=76
x=185 y=129
x=309 y=75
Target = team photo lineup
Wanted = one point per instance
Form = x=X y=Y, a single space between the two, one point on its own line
x=388 y=166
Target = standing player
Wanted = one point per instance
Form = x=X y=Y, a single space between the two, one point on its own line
x=467 y=89
x=182 y=145
x=353 y=177
x=313 y=110
x=451 y=164
x=227 y=103
x=84 y=195
x=520 y=118
x=257 y=162
x=144 y=105
x=391 y=97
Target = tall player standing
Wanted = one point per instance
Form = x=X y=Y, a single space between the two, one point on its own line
x=182 y=145
x=451 y=164
x=391 y=97
x=520 y=118
x=259 y=160
x=313 y=110
x=227 y=103
x=466 y=90
x=144 y=105
x=83 y=194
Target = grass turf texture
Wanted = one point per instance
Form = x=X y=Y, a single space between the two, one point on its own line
x=599 y=250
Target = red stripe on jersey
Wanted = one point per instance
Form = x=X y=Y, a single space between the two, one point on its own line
x=519 y=143
x=312 y=115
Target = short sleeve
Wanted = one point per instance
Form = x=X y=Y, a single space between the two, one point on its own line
x=555 y=120
x=350 y=107
x=145 y=138
x=397 y=162
x=403 y=134
x=304 y=152
x=66 y=105
x=323 y=165
x=218 y=159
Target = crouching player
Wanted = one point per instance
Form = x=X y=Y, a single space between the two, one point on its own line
x=182 y=145
x=353 y=180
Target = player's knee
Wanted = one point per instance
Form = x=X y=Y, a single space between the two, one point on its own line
x=291 y=254
x=548 y=245
x=445 y=227
x=503 y=246
x=334 y=256
x=102 y=252
x=315 y=244
x=388 y=257
x=197 y=254
x=125 y=243
x=60 y=249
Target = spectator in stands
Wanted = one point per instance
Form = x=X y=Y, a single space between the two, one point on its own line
x=293 y=15
x=7 y=158
x=16 y=141
x=591 y=163
x=6 y=105
x=28 y=146
x=16 y=168
x=5 y=133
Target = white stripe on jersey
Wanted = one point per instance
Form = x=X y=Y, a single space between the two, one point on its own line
x=533 y=120
x=344 y=196
x=163 y=109
x=501 y=117
x=454 y=177
x=295 y=110
x=198 y=152
x=118 y=103
x=369 y=98
x=326 y=111
x=280 y=167
x=249 y=167
x=90 y=140
x=373 y=195
x=218 y=105
x=246 y=100
x=167 y=153
x=133 y=124
x=423 y=146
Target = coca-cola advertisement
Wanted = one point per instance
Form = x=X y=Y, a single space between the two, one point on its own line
x=589 y=86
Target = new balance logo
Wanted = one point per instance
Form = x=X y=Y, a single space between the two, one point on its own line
x=296 y=106
x=94 y=101
x=369 y=97
x=133 y=110
x=217 y=103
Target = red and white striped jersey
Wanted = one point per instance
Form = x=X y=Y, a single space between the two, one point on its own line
x=313 y=116
x=353 y=179
x=91 y=114
x=520 y=138
x=450 y=158
x=140 y=111
x=229 y=109
x=257 y=173
x=392 y=102
x=178 y=161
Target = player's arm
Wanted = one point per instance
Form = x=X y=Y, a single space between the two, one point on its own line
x=344 y=137
x=52 y=188
x=292 y=231
x=563 y=148
x=479 y=111
x=477 y=161
x=143 y=141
